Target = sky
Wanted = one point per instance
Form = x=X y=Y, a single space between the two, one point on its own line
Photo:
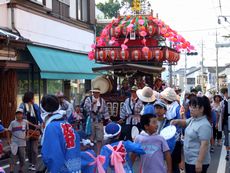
x=196 y=21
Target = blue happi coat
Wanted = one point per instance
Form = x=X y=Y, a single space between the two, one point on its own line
x=61 y=148
x=128 y=147
x=86 y=160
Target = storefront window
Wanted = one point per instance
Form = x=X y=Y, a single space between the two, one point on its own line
x=53 y=86
x=77 y=91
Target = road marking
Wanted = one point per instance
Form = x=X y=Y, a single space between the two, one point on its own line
x=7 y=166
x=222 y=161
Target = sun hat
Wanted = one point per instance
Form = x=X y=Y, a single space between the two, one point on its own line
x=169 y=94
x=134 y=88
x=101 y=83
x=161 y=104
x=156 y=94
x=96 y=90
x=146 y=94
x=111 y=130
x=19 y=110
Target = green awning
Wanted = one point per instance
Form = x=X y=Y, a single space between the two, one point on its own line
x=59 y=64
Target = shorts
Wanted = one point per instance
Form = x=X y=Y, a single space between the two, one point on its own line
x=97 y=131
x=21 y=153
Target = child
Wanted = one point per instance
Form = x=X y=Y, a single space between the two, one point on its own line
x=18 y=141
x=117 y=152
x=77 y=118
x=89 y=161
x=155 y=147
x=162 y=122
x=60 y=143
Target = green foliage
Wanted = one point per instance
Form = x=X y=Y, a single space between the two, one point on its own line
x=126 y=1
x=198 y=88
x=53 y=86
x=99 y=28
x=110 y=9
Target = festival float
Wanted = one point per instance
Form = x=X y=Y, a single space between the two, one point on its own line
x=134 y=47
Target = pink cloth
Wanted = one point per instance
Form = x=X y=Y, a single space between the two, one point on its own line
x=2 y=170
x=117 y=158
x=99 y=161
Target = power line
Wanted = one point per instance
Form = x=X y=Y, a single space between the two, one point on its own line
x=220 y=7
x=204 y=29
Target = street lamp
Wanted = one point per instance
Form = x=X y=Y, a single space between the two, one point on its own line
x=185 y=66
x=225 y=19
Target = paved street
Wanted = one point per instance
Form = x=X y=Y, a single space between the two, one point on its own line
x=218 y=163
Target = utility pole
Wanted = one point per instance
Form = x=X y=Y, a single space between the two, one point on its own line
x=217 y=71
x=170 y=75
x=202 y=66
x=185 y=70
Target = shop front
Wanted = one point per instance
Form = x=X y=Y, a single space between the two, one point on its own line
x=54 y=70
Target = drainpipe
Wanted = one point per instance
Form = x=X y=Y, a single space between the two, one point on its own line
x=13 y=18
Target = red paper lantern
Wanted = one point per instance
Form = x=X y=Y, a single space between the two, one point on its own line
x=158 y=55
x=112 y=54
x=136 y=55
x=101 y=55
x=124 y=55
x=178 y=57
x=147 y=55
x=170 y=58
x=151 y=30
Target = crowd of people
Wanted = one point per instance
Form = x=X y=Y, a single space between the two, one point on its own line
x=83 y=138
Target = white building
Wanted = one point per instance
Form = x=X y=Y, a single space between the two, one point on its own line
x=57 y=36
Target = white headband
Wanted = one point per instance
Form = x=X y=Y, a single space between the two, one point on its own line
x=44 y=113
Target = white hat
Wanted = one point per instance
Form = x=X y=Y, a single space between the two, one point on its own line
x=19 y=110
x=146 y=94
x=169 y=94
x=96 y=90
x=156 y=94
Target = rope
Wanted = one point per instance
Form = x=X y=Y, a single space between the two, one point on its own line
x=27 y=136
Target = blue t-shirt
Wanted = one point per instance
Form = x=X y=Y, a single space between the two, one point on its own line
x=149 y=109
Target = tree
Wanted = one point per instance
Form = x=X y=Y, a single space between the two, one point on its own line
x=110 y=9
x=99 y=28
